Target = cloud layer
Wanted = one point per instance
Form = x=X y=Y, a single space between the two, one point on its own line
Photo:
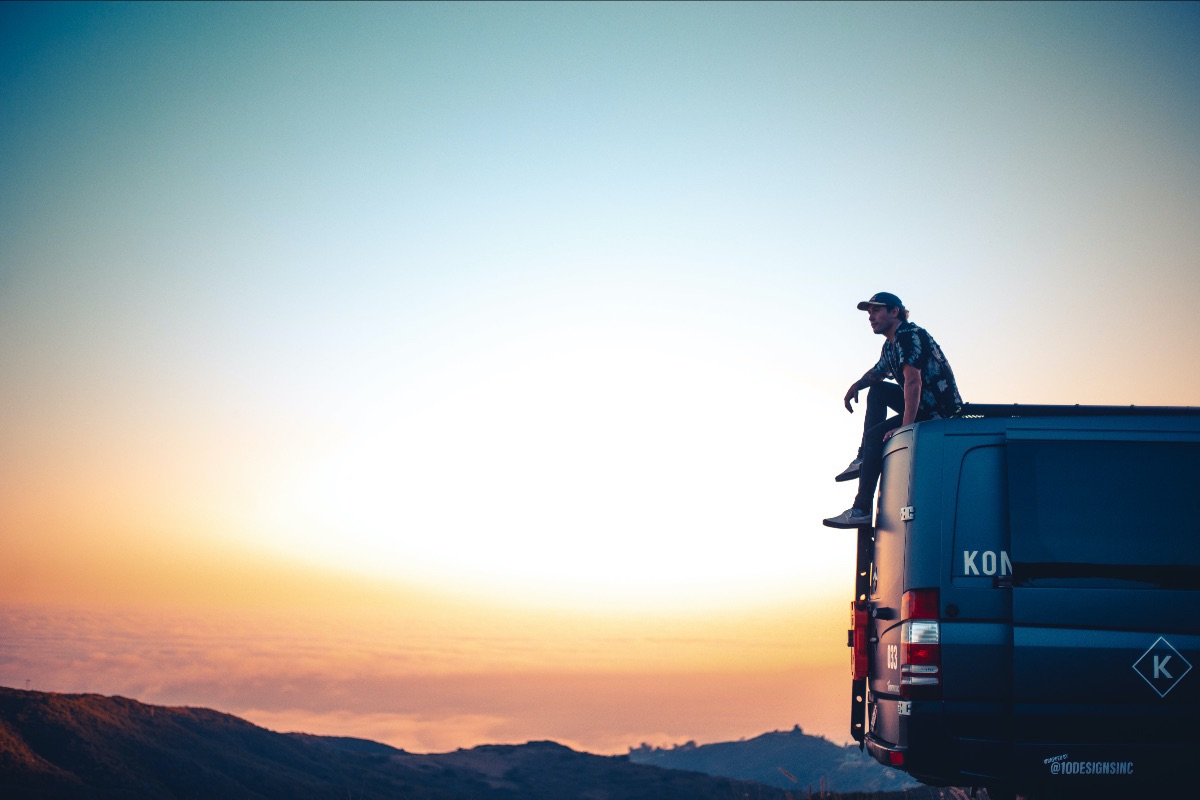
x=422 y=690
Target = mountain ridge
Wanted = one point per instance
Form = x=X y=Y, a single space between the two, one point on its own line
x=61 y=747
x=784 y=759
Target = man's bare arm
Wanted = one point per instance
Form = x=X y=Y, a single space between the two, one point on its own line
x=912 y=393
x=912 y=398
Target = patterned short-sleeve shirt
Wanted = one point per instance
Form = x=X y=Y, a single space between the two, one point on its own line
x=913 y=345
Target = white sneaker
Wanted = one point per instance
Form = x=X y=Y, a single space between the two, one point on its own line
x=850 y=518
x=850 y=472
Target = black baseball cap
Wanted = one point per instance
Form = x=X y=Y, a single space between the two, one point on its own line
x=881 y=299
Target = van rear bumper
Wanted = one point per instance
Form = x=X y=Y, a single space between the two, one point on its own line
x=889 y=755
x=895 y=756
x=911 y=735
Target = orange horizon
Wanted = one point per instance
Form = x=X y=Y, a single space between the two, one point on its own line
x=422 y=669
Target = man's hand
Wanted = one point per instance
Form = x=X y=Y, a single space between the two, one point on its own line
x=888 y=434
x=852 y=394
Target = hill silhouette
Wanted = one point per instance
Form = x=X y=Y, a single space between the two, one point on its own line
x=57 y=746
x=786 y=759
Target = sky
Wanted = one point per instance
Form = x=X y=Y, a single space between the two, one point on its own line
x=450 y=374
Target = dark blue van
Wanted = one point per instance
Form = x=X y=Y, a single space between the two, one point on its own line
x=1027 y=606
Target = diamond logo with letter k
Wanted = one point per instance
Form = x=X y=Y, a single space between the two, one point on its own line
x=1162 y=667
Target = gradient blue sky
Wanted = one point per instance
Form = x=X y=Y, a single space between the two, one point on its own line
x=553 y=304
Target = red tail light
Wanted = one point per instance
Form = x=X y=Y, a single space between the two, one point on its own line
x=920 y=645
x=858 y=640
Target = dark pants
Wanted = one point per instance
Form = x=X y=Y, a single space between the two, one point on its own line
x=880 y=397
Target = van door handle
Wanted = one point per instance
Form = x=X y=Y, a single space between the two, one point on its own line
x=883 y=613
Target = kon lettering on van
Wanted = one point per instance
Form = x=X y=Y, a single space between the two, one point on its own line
x=987 y=562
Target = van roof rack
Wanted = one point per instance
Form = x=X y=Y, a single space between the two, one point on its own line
x=976 y=411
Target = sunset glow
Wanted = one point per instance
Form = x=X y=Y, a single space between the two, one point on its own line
x=458 y=373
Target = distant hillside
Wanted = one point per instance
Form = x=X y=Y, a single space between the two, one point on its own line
x=54 y=747
x=790 y=760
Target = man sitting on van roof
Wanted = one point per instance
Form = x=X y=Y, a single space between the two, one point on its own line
x=924 y=389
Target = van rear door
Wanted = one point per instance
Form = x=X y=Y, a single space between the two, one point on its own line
x=887 y=588
x=1105 y=547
